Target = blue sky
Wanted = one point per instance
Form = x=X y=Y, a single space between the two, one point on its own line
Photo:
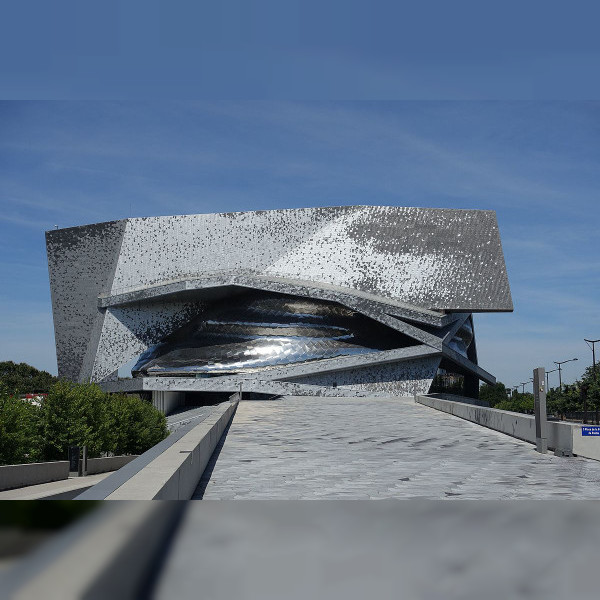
x=535 y=163
x=300 y=49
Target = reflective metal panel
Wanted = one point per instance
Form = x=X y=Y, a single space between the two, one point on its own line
x=463 y=338
x=260 y=330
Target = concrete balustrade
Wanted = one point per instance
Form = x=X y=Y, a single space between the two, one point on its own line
x=562 y=436
x=16 y=476
x=107 y=463
x=171 y=470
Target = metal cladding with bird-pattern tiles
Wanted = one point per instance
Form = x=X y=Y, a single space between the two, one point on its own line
x=439 y=260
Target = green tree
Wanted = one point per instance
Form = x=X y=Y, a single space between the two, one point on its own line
x=572 y=397
x=135 y=425
x=592 y=381
x=588 y=375
x=84 y=415
x=494 y=394
x=19 y=430
x=74 y=415
x=522 y=403
x=556 y=402
x=568 y=400
x=22 y=378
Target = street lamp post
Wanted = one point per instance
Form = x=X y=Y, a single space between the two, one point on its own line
x=524 y=384
x=548 y=384
x=539 y=410
x=559 y=363
x=593 y=343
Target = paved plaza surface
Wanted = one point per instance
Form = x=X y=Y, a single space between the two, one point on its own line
x=360 y=448
x=65 y=489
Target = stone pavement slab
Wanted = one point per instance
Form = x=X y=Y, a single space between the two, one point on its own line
x=361 y=448
x=66 y=488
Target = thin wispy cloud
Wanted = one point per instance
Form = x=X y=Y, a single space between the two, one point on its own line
x=25 y=222
x=389 y=141
x=536 y=164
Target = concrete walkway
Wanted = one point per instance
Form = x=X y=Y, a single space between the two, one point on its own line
x=337 y=448
x=65 y=489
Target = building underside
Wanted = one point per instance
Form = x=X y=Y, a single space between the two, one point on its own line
x=335 y=301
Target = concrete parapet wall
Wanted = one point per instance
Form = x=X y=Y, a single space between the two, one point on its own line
x=561 y=436
x=108 y=463
x=513 y=424
x=174 y=474
x=588 y=446
x=16 y=476
x=462 y=399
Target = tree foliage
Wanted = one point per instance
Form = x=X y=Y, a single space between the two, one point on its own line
x=559 y=402
x=494 y=394
x=22 y=378
x=522 y=403
x=20 y=439
x=76 y=415
x=498 y=397
x=135 y=425
x=569 y=399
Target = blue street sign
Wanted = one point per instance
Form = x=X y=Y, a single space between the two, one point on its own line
x=587 y=430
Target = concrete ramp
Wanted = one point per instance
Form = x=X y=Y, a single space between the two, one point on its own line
x=360 y=448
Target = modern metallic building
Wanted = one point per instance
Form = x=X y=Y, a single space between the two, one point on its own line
x=349 y=300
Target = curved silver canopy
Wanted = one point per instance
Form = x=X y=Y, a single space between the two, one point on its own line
x=261 y=330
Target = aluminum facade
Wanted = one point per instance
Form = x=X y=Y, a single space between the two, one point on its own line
x=119 y=288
